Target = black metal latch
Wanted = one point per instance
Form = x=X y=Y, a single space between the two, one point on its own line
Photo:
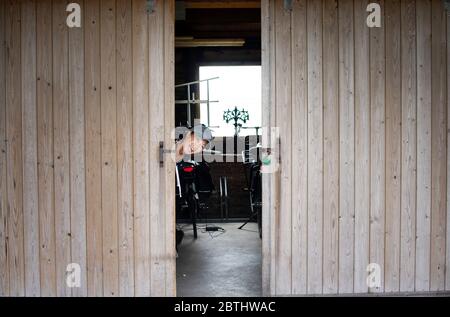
x=163 y=151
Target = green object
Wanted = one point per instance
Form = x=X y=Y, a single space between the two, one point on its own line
x=236 y=115
x=266 y=160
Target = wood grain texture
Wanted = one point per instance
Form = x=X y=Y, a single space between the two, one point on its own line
x=61 y=139
x=29 y=148
x=77 y=155
x=409 y=147
x=14 y=151
x=331 y=33
x=141 y=184
x=346 y=148
x=157 y=132
x=169 y=174
x=4 y=267
x=438 y=146
x=109 y=147
x=363 y=116
x=94 y=238
x=299 y=149
x=447 y=276
x=124 y=147
x=46 y=189
x=393 y=144
x=266 y=60
x=283 y=107
x=423 y=18
x=362 y=147
x=315 y=147
x=377 y=148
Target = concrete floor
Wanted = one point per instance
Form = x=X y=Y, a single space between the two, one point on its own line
x=227 y=264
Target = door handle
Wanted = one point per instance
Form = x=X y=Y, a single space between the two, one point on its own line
x=163 y=151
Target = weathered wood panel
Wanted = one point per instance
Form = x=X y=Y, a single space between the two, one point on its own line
x=77 y=155
x=75 y=127
x=283 y=103
x=331 y=135
x=447 y=277
x=409 y=147
x=93 y=179
x=4 y=267
x=438 y=145
x=14 y=154
x=362 y=147
x=389 y=85
x=299 y=148
x=141 y=149
x=377 y=148
x=29 y=148
x=60 y=41
x=169 y=257
x=315 y=147
x=156 y=97
x=109 y=147
x=423 y=17
x=393 y=144
x=47 y=236
x=125 y=147
x=346 y=155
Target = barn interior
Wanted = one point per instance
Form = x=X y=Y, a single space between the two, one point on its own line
x=218 y=44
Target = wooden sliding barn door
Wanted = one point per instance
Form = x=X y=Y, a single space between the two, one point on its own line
x=82 y=114
x=362 y=114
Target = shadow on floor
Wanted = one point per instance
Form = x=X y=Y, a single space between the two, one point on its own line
x=220 y=264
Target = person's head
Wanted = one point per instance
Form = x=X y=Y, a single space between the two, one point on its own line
x=197 y=139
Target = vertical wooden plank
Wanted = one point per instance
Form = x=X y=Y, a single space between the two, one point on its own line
x=47 y=239
x=423 y=17
x=93 y=148
x=77 y=155
x=347 y=147
x=377 y=150
x=393 y=145
x=140 y=149
x=29 y=148
x=14 y=150
x=266 y=60
x=283 y=109
x=169 y=114
x=409 y=147
x=109 y=147
x=270 y=180
x=124 y=148
x=438 y=146
x=315 y=147
x=331 y=145
x=61 y=144
x=299 y=148
x=274 y=177
x=4 y=267
x=447 y=279
x=362 y=146
x=156 y=92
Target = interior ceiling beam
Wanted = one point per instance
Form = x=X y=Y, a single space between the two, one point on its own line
x=208 y=42
x=201 y=4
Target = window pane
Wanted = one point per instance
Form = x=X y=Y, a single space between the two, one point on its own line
x=237 y=86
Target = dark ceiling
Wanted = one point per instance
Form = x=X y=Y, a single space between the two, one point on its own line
x=236 y=23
